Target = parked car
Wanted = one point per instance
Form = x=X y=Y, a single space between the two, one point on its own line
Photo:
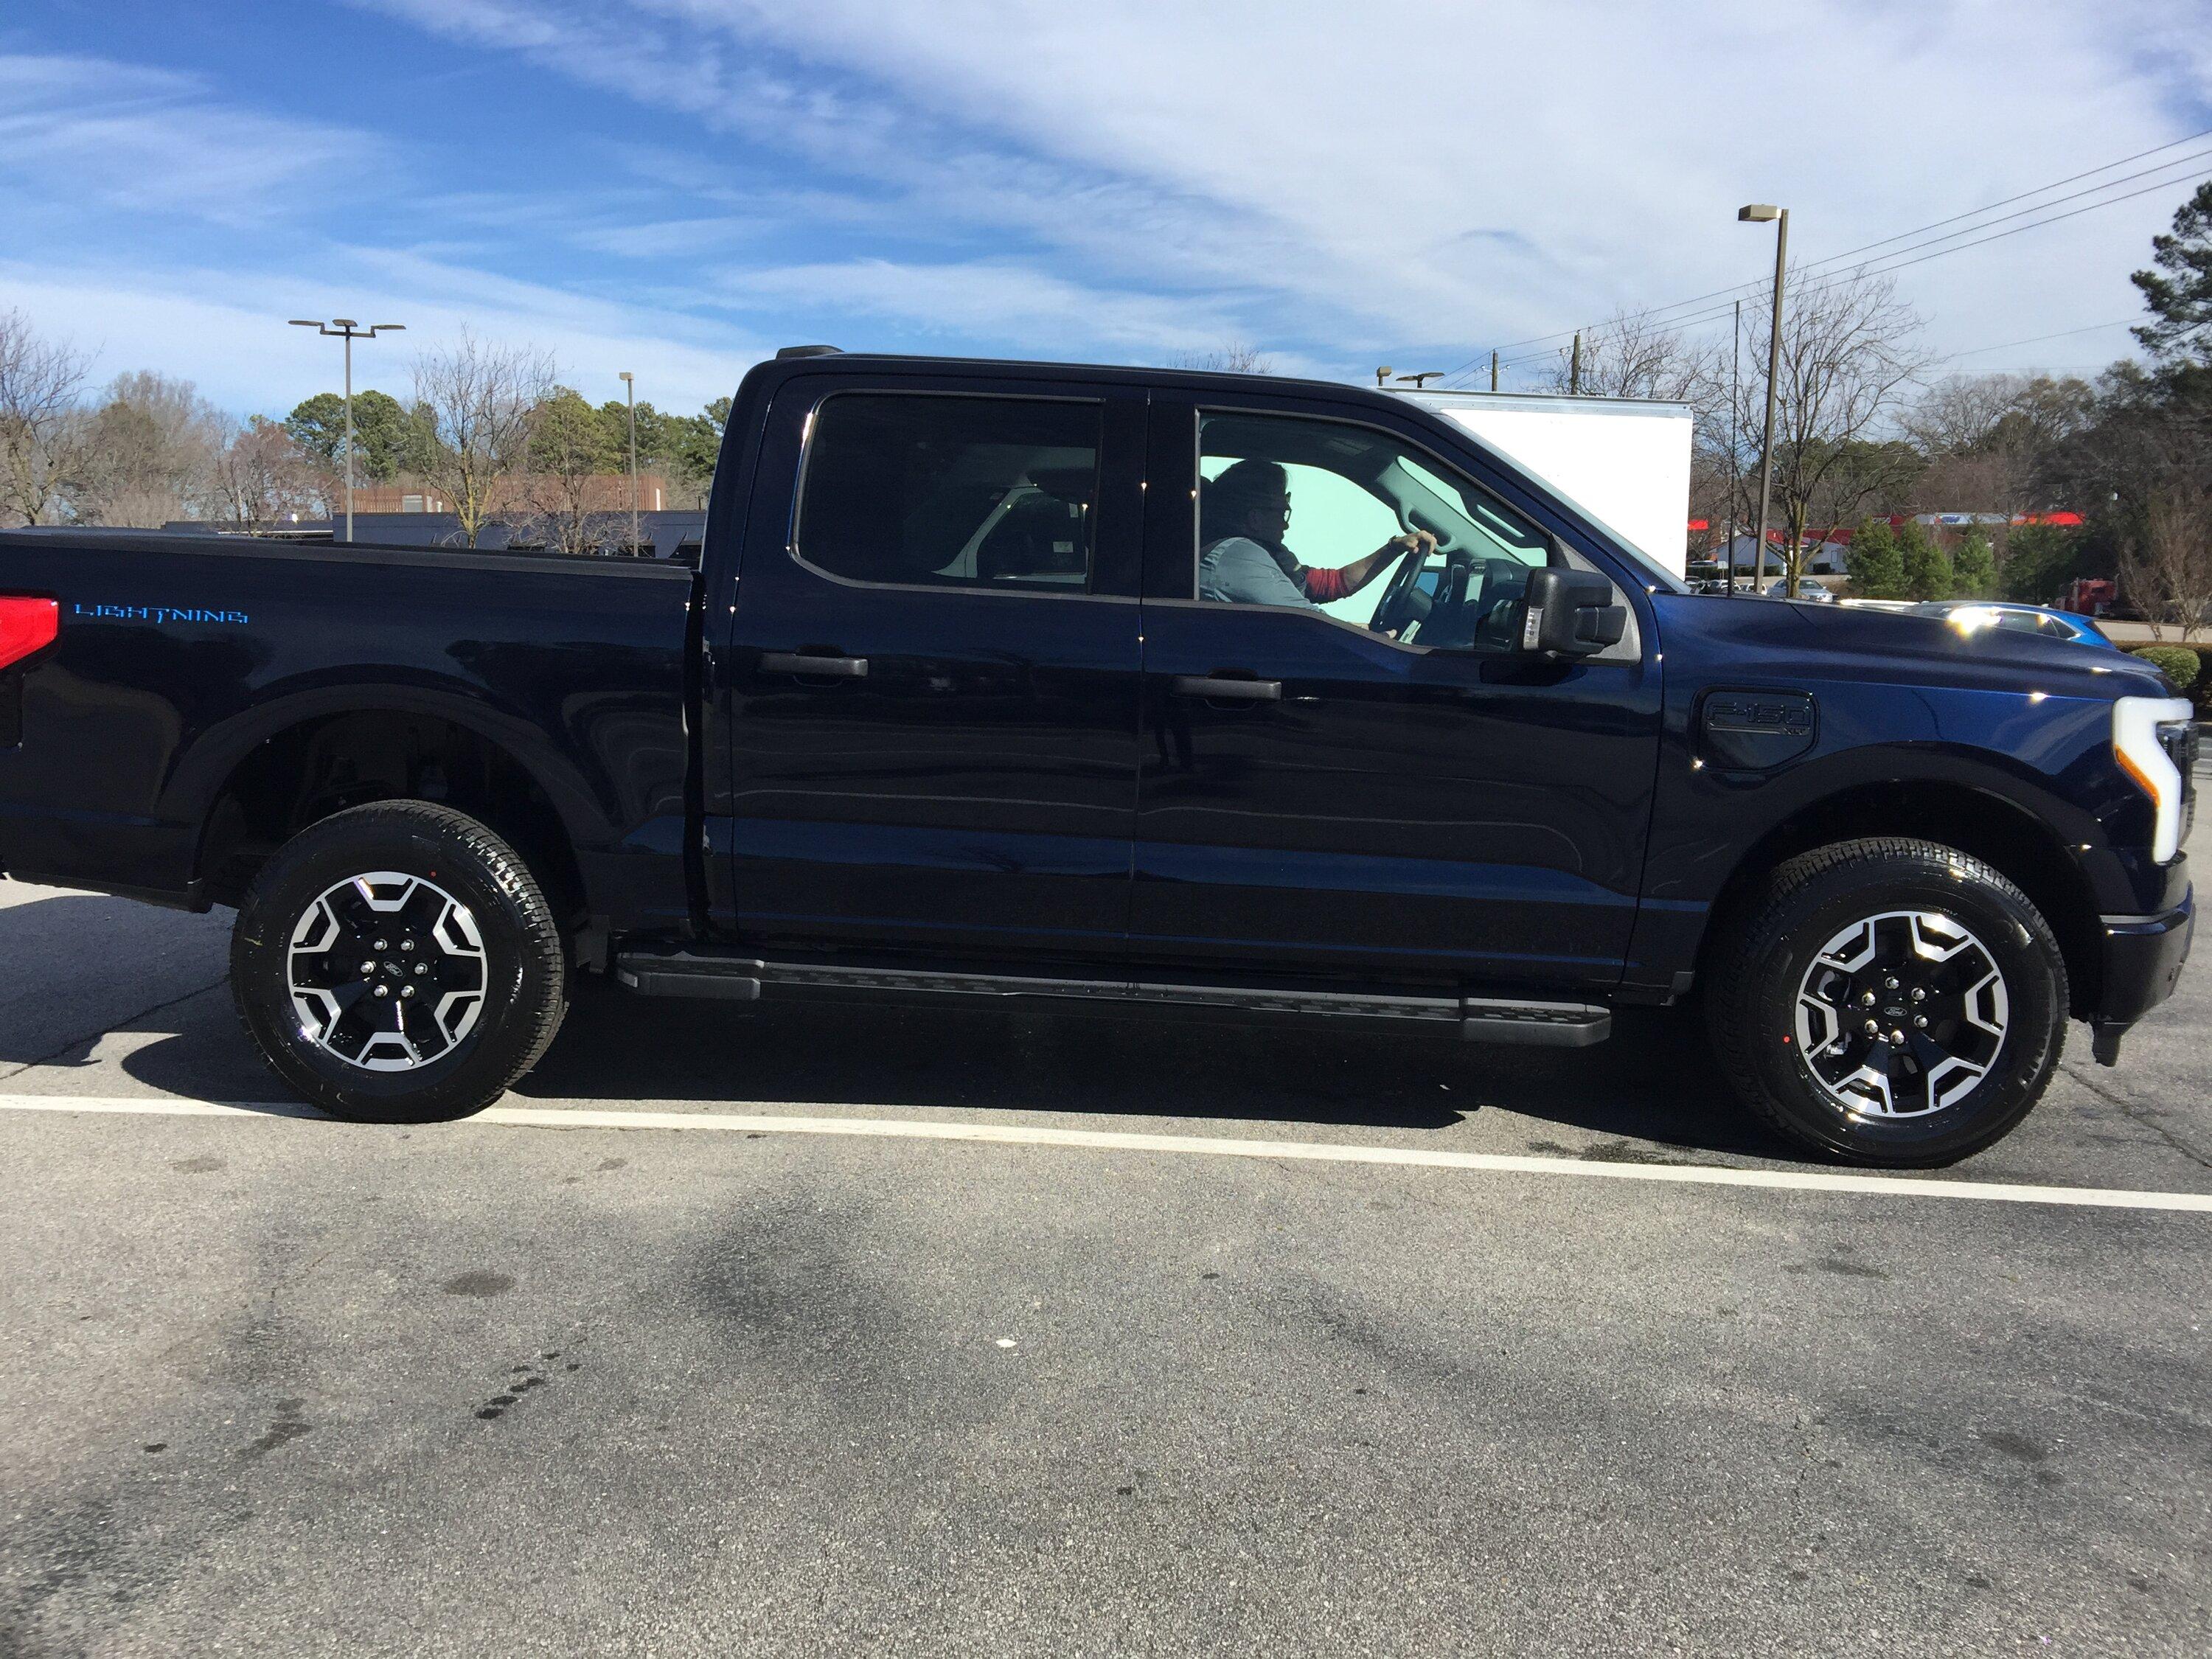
x=1970 y=614
x=1808 y=591
x=1002 y=680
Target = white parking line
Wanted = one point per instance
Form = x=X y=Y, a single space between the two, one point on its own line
x=1711 y=1174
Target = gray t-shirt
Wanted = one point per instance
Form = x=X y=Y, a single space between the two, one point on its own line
x=1237 y=571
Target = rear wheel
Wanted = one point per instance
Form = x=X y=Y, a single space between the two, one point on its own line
x=1895 y=1002
x=398 y=964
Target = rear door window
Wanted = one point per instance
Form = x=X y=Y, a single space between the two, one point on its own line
x=940 y=490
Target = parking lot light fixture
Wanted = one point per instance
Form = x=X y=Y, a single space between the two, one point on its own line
x=345 y=328
x=1760 y=213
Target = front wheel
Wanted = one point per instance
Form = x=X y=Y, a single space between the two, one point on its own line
x=1894 y=1002
x=398 y=964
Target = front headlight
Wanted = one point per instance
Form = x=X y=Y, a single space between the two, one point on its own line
x=2148 y=734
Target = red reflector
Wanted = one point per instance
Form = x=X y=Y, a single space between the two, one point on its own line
x=25 y=625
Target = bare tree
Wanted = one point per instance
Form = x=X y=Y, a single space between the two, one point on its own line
x=1849 y=360
x=2166 y=572
x=41 y=424
x=149 y=454
x=1630 y=355
x=1986 y=437
x=1961 y=413
x=1230 y=358
x=480 y=398
x=264 y=476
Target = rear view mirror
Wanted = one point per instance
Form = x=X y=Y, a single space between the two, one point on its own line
x=1571 y=613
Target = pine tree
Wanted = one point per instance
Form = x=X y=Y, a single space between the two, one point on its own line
x=1926 y=567
x=1877 y=571
x=1976 y=567
x=2181 y=298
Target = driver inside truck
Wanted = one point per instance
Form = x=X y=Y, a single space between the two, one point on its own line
x=1244 y=516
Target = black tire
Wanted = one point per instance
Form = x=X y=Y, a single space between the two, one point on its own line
x=1772 y=992
x=503 y=950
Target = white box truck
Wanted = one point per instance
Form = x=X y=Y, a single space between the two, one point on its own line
x=1624 y=461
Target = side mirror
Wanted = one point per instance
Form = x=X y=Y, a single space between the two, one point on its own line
x=1571 y=613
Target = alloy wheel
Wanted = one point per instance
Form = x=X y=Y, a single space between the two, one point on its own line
x=1901 y=1014
x=386 y=971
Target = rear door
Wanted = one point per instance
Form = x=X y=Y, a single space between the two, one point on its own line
x=934 y=668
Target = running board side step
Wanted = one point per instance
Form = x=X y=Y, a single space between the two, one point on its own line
x=1480 y=1019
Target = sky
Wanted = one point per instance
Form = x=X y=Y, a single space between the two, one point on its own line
x=676 y=187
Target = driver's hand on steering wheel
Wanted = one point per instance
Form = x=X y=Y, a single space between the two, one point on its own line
x=1413 y=541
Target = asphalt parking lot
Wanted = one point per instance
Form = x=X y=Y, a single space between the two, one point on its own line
x=778 y=1368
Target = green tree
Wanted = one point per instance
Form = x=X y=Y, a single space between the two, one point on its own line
x=1928 y=573
x=1976 y=567
x=2040 y=559
x=567 y=436
x=2179 y=292
x=1877 y=567
x=384 y=435
x=568 y=450
x=687 y=445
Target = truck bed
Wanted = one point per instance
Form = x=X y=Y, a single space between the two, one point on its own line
x=201 y=689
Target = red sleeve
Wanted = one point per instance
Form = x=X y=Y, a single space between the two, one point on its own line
x=1324 y=586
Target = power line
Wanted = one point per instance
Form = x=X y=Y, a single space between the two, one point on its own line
x=2063 y=334
x=1820 y=284
x=1658 y=312
x=1971 y=213
x=1974 y=213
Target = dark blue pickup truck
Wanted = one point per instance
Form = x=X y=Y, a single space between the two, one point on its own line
x=1129 y=687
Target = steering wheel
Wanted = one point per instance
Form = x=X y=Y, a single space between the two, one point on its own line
x=1402 y=601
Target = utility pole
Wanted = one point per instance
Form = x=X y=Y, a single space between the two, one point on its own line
x=1760 y=213
x=1735 y=443
x=1493 y=371
x=629 y=391
x=1575 y=369
x=345 y=328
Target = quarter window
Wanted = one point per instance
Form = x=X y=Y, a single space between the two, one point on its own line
x=936 y=491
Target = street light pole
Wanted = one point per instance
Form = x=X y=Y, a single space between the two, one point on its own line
x=346 y=329
x=629 y=391
x=1735 y=444
x=1760 y=213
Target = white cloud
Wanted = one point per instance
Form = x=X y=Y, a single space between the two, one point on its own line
x=151 y=141
x=225 y=329
x=1027 y=308
x=1400 y=172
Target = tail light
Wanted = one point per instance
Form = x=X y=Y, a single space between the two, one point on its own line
x=25 y=625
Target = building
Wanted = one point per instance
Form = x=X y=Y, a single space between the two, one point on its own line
x=603 y=492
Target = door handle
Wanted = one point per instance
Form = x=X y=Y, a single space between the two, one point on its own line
x=1228 y=690
x=801 y=662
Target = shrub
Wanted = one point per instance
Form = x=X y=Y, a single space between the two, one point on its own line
x=2182 y=663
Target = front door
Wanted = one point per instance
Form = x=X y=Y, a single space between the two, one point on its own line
x=1350 y=769
x=934 y=670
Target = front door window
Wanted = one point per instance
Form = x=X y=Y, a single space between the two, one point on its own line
x=1348 y=521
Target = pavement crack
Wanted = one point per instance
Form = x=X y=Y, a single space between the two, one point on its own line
x=2135 y=1114
x=56 y=1052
